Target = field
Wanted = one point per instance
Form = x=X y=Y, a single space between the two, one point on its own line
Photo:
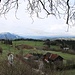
x=39 y=45
x=8 y=48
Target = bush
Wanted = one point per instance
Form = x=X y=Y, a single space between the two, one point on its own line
x=16 y=69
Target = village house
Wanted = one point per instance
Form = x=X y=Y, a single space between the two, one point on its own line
x=54 y=59
x=33 y=56
x=28 y=56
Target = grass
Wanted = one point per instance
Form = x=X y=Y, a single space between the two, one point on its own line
x=55 y=47
x=64 y=55
x=31 y=43
x=7 y=49
x=70 y=72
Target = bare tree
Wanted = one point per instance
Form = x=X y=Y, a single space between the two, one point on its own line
x=58 y=8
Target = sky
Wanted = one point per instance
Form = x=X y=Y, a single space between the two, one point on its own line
x=26 y=26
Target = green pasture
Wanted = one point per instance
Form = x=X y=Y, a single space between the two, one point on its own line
x=64 y=55
x=8 y=48
x=70 y=72
x=31 y=43
x=55 y=47
x=37 y=44
x=66 y=72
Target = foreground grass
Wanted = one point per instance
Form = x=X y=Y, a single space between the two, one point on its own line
x=23 y=69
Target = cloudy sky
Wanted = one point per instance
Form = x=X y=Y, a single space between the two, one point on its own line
x=25 y=25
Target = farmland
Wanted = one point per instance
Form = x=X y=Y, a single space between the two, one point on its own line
x=8 y=48
x=38 y=45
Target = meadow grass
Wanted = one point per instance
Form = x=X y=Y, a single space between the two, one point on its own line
x=64 y=55
x=8 y=48
x=55 y=47
x=31 y=43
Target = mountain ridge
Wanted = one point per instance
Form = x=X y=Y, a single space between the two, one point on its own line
x=9 y=36
x=12 y=36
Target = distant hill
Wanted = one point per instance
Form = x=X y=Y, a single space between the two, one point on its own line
x=10 y=36
x=51 y=37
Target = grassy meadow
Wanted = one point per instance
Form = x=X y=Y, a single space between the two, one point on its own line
x=9 y=48
x=40 y=44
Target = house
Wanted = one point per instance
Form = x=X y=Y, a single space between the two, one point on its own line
x=53 y=59
x=28 y=56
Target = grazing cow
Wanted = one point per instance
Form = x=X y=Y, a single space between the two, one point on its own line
x=65 y=48
x=10 y=59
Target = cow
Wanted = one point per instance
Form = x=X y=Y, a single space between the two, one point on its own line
x=10 y=59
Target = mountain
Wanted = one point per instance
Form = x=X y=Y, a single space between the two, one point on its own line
x=51 y=37
x=10 y=36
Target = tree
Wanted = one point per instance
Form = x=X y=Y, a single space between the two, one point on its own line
x=47 y=42
x=58 y=8
x=8 y=42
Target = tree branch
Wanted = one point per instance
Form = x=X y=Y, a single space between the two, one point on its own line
x=68 y=10
x=44 y=7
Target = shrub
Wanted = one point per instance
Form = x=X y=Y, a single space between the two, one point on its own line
x=16 y=69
